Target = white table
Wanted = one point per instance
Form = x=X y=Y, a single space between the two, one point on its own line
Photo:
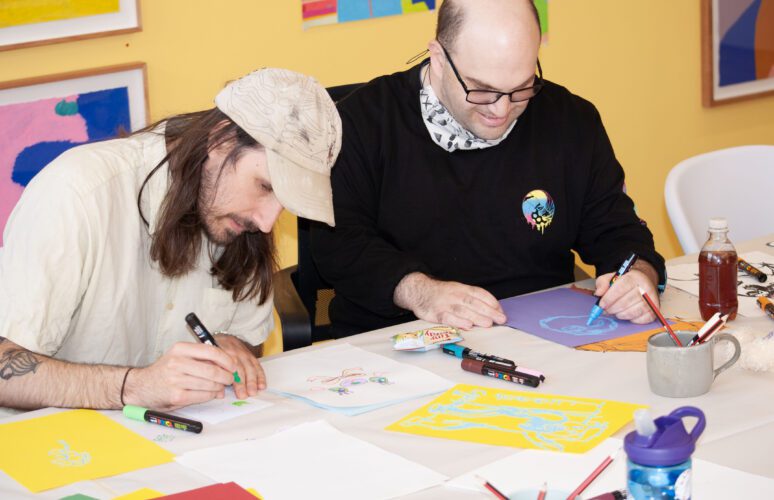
x=739 y=407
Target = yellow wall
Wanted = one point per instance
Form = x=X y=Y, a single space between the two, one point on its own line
x=638 y=61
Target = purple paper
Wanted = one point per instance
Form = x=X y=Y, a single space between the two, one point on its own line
x=560 y=316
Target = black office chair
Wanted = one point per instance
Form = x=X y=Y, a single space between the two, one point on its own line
x=301 y=296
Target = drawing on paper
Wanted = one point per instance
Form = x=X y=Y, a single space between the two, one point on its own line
x=164 y=438
x=65 y=457
x=576 y=325
x=240 y=403
x=547 y=429
x=519 y=419
x=350 y=377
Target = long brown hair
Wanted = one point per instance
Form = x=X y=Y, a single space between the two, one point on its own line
x=247 y=264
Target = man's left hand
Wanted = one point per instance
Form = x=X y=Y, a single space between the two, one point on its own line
x=248 y=366
x=623 y=299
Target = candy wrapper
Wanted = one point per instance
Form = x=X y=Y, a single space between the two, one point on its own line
x=426 y=339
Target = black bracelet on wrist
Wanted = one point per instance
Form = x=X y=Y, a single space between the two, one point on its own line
x=123 y=385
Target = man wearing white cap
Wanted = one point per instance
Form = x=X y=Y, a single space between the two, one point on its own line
x=114 y=243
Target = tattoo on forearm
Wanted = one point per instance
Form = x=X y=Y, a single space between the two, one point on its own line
x=17 y=362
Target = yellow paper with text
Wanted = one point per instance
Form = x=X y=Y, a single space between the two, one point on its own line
x=517 y=418
x=59 y=449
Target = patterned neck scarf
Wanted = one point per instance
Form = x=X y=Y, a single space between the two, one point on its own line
x=444 y=129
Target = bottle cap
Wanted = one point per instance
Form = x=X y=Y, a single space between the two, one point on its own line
x=718 y=224
x=670 y=444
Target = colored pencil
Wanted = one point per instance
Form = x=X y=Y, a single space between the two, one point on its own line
x=714 y=328
x=706 y=326
x=494 y=491
x=543 y=491
x=585 y=484
x=660 y=317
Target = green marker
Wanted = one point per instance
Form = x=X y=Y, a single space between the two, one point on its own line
x=205 y=336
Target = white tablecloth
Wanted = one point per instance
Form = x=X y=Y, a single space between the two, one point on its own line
x=739 y=408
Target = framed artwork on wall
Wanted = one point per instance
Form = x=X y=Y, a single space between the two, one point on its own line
x=737 y=50
x=42 y=117
x=30 y=23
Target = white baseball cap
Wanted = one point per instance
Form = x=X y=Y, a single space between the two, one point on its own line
x=293 y=117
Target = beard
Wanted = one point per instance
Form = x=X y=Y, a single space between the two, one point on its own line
x=216 y=225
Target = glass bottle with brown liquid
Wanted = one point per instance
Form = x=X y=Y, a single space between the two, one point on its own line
x=717 y=273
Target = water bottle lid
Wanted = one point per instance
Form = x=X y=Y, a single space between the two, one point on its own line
x=671 y=444
x=718 y=224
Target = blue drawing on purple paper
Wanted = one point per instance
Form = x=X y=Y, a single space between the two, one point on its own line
x=576 y=325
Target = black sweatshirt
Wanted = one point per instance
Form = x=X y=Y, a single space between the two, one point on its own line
x=404 y=204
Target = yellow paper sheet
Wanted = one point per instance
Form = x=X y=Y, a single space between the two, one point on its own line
x=519 y=419
x=141 y=494
x=59 y=449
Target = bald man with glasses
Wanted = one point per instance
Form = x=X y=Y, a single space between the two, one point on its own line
x=469 y=178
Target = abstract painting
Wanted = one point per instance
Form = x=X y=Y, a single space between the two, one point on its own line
x=737 y=49
x=322 y=12
x=30 y=23
x=519 y=419
x=42 y=117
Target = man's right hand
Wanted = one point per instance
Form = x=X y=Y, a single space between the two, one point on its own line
x=186 y=374
x=448 y=302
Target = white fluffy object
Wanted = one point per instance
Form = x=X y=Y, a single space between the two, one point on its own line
x=757 y=351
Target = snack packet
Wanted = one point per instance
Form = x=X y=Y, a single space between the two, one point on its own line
x=426 y=339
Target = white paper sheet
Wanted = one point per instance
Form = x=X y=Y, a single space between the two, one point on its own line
x=527 y=470
x=348 y=379
x=220 y=410
x=686 y=277
x=312 y=460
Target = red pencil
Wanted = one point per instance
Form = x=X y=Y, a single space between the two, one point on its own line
x=585 y=484
x=543 y=491
x=660 y=317
x=489 y=486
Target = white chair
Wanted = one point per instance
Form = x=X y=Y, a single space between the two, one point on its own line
x=735 y=183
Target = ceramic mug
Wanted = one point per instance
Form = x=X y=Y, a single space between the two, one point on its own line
x=683 y=372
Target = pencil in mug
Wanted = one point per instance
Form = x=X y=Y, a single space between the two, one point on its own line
x=660 y=317
x=716 y=326
x=706 y=326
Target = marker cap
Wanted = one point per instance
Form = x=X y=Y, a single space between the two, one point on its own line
x=135 y=412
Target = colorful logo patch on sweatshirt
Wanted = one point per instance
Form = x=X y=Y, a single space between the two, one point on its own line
x=539 y=209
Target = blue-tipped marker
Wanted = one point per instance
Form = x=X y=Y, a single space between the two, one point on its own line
x=597 y=311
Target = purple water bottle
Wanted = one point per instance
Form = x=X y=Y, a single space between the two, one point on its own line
x=659 y=455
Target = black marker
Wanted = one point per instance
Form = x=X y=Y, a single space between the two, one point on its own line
x=158 y=418
x=752 y=270
x=494 y=361
x=204 y=335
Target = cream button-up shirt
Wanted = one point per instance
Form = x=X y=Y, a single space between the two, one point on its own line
x=76 y=279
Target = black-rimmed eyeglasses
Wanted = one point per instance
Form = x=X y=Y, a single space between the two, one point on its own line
x=492 y=96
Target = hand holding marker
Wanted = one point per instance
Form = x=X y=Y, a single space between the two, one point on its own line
x=205 y=336
x=596 y=311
